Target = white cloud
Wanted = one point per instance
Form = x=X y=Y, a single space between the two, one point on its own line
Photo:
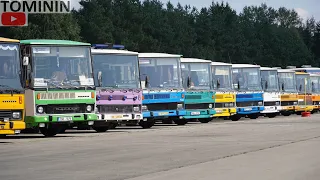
x=304 y=14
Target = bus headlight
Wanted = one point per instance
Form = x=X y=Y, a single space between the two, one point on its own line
x=40 y=109
x=89 y=108
x=277 y=103
x=260 y=103
x=144 y=108
x=179 y=106
x=295 y=103
x=231 y=105
x=16 y=115
x=210 y=106
x=226 y=104
x=136 y=109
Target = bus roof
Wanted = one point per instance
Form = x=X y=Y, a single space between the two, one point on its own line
x=285 y=71
x=268 y=69
x=113 y=51
x=53 y=42
x=159 y=55
x=301 y=73
x=2 y=39
x=244 y=66
x=220 y=64
x=194 y=60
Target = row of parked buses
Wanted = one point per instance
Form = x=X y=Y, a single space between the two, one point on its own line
x=52 y=85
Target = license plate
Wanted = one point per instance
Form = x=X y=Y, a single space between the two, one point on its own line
x=117 y=116
x=195 y=113
x=1 y=126
x=247 y=109
x=64 y=118
x=163 y=113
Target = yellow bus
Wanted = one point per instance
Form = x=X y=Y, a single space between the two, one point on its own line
x=304 y=92
x=288 y=90
x=225 y=97
x=11 y=90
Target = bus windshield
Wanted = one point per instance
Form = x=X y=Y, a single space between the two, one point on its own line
x=221 y=77
x=269 y=80
x=246 y=79
x=160 y=72
x=118 y=71
x=303 y=83
x=287 y=81
x=62 y=67
x=315 y=84
x=9 y=67
x=199 y=74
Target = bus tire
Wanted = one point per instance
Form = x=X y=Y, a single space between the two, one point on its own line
x=204 y=120
x=180 y=122
x=253 y=116
x=100 y=129
x=49 y=131
x=272 y=115
x=147 y=124
x=235 y=118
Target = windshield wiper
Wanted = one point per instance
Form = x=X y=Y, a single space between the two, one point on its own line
x=11 y=89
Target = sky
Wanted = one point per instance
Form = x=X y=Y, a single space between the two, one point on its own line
x=305 y=8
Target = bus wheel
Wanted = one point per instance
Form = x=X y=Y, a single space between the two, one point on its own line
x=272 y=115
x=180 y=122
x=100 y=129
x=285 y=113
x=253 y=116
x=204 y=120
x=49 y=131
x=235 y=118
x=113 y=125
x=147 y=124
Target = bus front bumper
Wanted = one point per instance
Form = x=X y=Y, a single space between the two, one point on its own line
x=225 y=112
x=12 y=127
x=163 y=114
x=301 y=108
x=271 y=109
x=199 y=114
x=250 y=110
x=41 y=120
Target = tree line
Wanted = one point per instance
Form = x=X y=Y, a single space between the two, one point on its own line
x=258 y=35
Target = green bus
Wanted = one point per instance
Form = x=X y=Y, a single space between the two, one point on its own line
x=60 y=90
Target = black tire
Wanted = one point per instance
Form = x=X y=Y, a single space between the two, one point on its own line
x=49 y=131
x=101 y=129
x=180 y=122
x=3 y=135
x=235 y=118
x=254 y=116
x=167 y=121
x=286 y=113
x=113 y=125
x=204 y=120
x=298 y=113
x=272 y=115
x=147 y=124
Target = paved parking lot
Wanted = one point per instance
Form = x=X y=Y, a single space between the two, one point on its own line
x=280 y=148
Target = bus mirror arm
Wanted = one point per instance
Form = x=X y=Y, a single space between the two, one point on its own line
x=189 y=82
x=25 y=60
x=147 y=82
x=100 y=78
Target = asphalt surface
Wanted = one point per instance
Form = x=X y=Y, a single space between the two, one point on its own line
x=283 y=148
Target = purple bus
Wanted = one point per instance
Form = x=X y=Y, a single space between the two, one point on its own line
x=119 y=93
